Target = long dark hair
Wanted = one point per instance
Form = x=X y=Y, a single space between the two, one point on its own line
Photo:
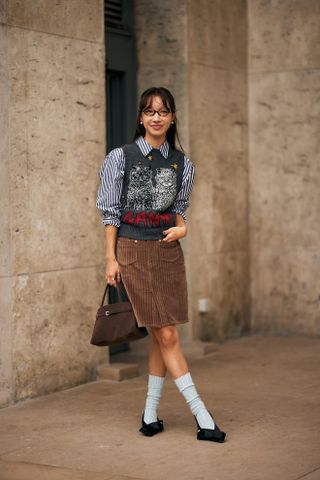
x=168 y=101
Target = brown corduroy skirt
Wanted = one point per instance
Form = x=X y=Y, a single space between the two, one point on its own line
x=154 y=276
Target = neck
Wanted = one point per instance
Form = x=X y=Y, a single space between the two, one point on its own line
x=155 y=142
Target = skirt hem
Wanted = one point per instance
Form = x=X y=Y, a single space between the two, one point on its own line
x=164 y=324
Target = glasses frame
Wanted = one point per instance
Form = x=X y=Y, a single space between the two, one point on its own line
x=156 y=111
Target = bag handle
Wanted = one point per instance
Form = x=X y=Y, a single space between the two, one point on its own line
x=105 y=293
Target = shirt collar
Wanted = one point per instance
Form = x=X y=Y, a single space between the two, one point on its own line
x=146 y=148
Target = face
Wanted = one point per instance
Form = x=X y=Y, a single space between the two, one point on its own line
x=156 y=126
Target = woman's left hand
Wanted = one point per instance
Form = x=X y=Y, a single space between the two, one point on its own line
x=174 y=233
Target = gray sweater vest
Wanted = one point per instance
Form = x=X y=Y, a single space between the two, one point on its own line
x=150 y=186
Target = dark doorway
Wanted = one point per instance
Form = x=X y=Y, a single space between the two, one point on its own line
x=121 y=83
x=120 y=72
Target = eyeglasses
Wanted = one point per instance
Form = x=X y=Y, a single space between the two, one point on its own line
x=150 y=112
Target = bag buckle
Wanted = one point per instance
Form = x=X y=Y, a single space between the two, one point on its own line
x=107 y=313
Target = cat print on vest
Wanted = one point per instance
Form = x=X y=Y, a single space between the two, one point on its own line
x=139 y=196
x=143 y=195
x=165 y=190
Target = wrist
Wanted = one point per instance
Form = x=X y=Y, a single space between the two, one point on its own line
x=184 y=231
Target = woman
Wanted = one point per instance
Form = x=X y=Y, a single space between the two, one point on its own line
x=143 y=194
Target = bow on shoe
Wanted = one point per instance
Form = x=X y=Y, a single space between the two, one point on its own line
x=150 y=429
x=214 y=435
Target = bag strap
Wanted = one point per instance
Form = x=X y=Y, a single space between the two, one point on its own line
x=105 y=293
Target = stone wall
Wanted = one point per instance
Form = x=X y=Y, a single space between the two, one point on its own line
x=52 y=143
x=217 y=40
x=198 y=49
x=284 y=62
x=254 y=215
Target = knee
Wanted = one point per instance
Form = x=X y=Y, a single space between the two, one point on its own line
x=168 y=337
x=154 y=337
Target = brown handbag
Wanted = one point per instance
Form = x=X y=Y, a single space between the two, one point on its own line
x=116 y=323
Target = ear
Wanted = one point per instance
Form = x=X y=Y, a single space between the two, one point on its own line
x=173 y=116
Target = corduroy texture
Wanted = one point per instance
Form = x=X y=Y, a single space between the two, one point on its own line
x=154 y=276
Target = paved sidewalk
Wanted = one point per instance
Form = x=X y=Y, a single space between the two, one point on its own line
x=264 y=392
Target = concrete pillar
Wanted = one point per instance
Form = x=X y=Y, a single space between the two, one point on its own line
x=284 y=74
x=198 y=49
x=53 y=119
x=218 y=126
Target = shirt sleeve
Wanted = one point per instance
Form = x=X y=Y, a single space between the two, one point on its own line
x=181 y=202
x=109 y=192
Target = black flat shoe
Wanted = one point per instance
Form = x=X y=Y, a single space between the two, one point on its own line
x=214 y=435
x=150 y=429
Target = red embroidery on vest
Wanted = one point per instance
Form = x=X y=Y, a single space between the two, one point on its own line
x=154 y=219
x=148 y=219
x=141 y=217
x=129 y=218
x=166 y=217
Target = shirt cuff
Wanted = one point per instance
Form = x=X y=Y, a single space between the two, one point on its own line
x=111 y=221
x=183 y=214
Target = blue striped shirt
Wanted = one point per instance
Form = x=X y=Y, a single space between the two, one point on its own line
x=111 y=180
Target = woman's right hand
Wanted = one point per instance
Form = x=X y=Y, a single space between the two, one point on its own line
x=113 y=275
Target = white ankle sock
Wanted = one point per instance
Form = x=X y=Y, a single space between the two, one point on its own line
x=155 y=386
x=197 y=407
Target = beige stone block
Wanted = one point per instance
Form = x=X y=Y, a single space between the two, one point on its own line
x=222 y=279
x=284 y=161
x=217 y=33
x=56 y=147
x=218 y=119
x=72 y=18
x=283 y=35
x=161 y=32
x=222 y=225
x=5 y=246
x=219 y=152
x=117 y=371
x=3 y=11
x=285 y=291
x=6 y=386
x=53 y=319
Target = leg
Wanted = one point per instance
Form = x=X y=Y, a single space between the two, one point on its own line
x=156 y=363
x=169 y=346
x=157 y=373
x=176 y=363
